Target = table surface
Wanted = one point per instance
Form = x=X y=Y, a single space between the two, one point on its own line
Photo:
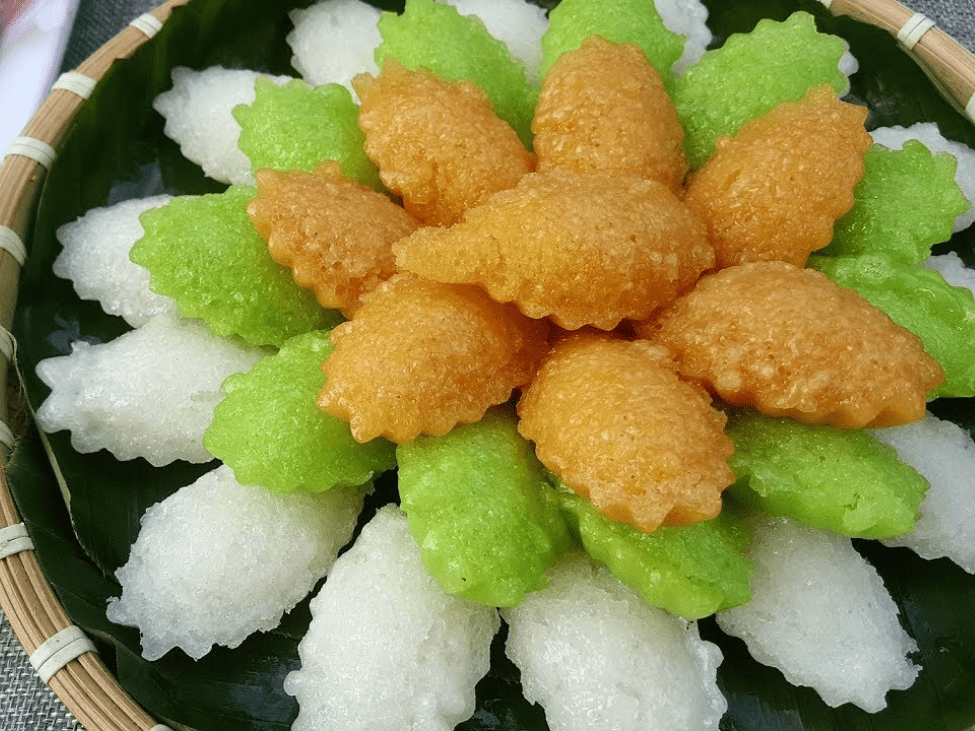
x=26 y=704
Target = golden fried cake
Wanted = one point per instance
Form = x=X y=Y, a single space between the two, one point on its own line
x=774 y=190
x=603 y=108
x=618 y=426
x=420 y=357
x=582 y=249
x=789 y=342
x=335 y=234
x=438 y=144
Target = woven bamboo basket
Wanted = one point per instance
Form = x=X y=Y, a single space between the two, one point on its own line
x=64 y=657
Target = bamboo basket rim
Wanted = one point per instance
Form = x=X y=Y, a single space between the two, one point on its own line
x=84 y=684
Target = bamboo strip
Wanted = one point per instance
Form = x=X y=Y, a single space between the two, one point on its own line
x=84 y=685
x=949 y=65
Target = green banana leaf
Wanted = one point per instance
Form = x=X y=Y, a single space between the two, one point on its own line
x=117 y=151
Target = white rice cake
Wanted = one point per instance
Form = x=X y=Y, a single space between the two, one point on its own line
x=95 y=258
x=199 y=118
x=598 y=658
x=333 y=40
x=944 y=454
x=217 y=561
x=387 y=649
x=953 y=269
x=689 y=18
x=930 y=136
x=149 y=393
x=848 y=66
x=821 y=614
x=517 y=23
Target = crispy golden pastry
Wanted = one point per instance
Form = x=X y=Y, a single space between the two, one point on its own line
x=775 y=189
x=789 y=342
x=582 y=249
x=618 y=426
x=603 y=108
x=420 y=357
x=335 y=234
x=438 y=144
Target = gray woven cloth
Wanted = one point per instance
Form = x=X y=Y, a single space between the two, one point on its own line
x=96 y=22
x=26 y=704
x=955 y=17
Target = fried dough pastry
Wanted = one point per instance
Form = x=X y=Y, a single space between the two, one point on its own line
x=612 y=419
x=438 y=144
x=774 y=190
x=583 y=249
x=789 y=342
x=603 y=108
x=335 y=234
x=420 y=357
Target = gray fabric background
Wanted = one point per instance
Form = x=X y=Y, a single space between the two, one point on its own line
x=26 y=704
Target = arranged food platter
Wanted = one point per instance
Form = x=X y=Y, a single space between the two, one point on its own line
x=82 y=512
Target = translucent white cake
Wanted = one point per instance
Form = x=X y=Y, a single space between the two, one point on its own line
x=217 y=561
x=333 y=40
x=944 y=454
x=387 y=649
x=149 y=393
x=199 y=117
x=598 y=658
x=95 y=258
x=821 y=614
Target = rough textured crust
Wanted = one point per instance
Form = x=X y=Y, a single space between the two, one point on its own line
x=790 y=342
x=615 y=422
x=335 y=234
x=583 y=249
x=420 y=357
x=437 y=143
x=774 y=190
x=603 y=108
